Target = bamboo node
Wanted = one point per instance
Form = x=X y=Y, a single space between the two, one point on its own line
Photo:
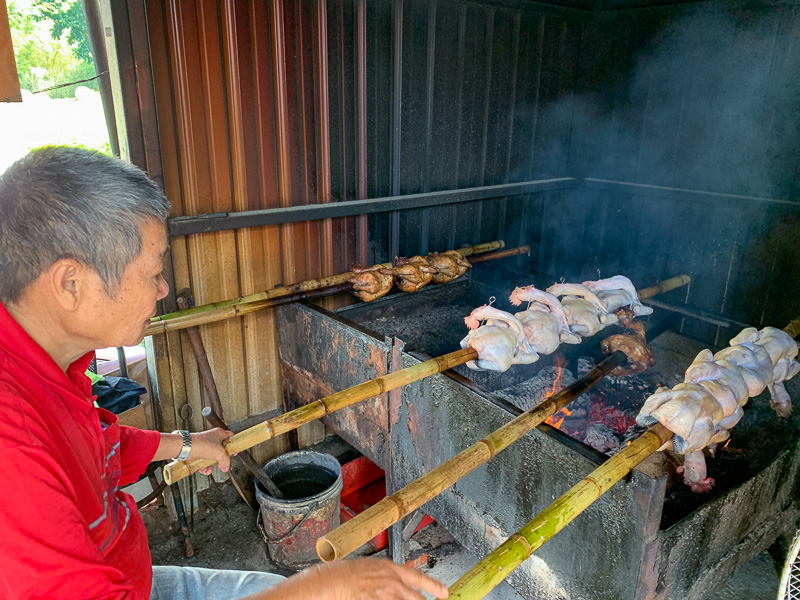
x=489 y=446
x=521 y=538
x=401 y=509
x=599 y=487
x=324 y=406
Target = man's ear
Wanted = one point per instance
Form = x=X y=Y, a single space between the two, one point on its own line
x=67 y=279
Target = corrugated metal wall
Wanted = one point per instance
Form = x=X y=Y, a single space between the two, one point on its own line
x=273 y=104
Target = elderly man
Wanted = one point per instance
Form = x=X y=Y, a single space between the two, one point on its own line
x=82 y=238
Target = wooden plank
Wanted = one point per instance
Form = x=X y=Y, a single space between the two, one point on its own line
x=9 y=80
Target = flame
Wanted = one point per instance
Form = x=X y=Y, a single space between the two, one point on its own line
x=557 y=418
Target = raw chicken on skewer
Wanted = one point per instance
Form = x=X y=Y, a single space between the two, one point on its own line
x=783 y=351
x=546 y=303
x=701 y=411
x=372 y=283
x=499 y=343
x=616 y=292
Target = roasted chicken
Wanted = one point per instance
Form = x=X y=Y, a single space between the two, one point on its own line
x=449 y=265
x=412 y=274
x=372 y=283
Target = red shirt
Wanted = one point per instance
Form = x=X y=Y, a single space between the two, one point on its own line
x=66 y=529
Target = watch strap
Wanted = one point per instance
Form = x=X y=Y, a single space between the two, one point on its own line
x=187 y=444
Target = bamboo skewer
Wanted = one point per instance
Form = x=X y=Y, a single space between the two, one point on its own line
x=349 y=536
x=303 y=286
x=291 y=420
x=496 y=566
x=184 y=321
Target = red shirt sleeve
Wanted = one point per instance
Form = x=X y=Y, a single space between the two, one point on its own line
x=137 y=449
x=47 y=550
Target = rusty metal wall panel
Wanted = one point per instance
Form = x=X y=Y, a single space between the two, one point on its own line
x=319 y=357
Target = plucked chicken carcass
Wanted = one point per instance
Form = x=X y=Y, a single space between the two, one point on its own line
x=412 y=273
x=692 y=413
x=782 y=350
x=640 y=356
x=496 y=348
x=449 y=265
x=543 y=302
x=616 y=292
x=586 y=313
x=522 y=353
x=754 y=361
x=371 y=283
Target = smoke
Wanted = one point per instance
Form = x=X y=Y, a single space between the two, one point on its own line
x=709 y=100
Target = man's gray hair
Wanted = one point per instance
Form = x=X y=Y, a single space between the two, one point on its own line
x=61 y=202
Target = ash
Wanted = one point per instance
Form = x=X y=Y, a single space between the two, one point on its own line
x=532 y=392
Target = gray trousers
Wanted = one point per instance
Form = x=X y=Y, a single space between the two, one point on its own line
x=193 y=583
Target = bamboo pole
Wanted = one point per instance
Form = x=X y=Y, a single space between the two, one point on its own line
x=303 y=286
x=496 y=566
x=184 y=321
x=500 y=254
x=349 y=536
x=665 y=286
x=291 y=420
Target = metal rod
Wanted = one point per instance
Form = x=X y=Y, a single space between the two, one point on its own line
x=198 y=349
x=697 y=313
x=350 y=208
x=349 y=536
x=245 y=457
x=123 y=362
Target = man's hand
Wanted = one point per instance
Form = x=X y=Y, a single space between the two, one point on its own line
x=208 y=444
x=361 y=579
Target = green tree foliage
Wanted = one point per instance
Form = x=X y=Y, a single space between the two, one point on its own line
x=51 y=45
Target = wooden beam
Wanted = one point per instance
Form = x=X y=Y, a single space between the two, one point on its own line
x=9 y=80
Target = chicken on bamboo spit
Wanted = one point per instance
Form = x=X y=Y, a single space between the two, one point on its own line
x=500 y=342
x=640 y=355
x=702 y=410
x=545 y=323
x=412 y=274
x=371 y=283
x=449 y=265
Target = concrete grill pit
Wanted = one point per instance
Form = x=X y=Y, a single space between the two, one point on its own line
x=648 y=537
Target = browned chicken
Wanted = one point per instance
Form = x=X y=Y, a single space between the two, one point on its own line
x=449 y=265
x=371 y=283
x=640 y=355
x=413 y=273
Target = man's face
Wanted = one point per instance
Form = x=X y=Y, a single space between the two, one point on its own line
x=121 y=320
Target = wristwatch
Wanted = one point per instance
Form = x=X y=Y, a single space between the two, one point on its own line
x=187 y=444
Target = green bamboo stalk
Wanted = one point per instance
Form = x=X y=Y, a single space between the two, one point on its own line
x=496 y=566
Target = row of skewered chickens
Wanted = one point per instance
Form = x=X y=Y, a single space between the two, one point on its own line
x=507 y=339
x=408 y=274
x=702 y=410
